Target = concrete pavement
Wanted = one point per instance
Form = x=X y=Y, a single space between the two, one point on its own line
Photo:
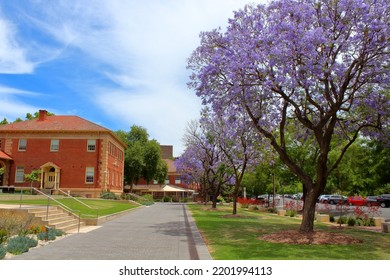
x=162 y=231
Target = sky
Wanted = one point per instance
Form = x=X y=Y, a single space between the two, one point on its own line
x=117 y=63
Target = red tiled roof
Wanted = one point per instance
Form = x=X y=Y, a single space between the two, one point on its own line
x=54 y=123
x=3 y=155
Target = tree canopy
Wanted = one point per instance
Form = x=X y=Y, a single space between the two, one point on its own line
x=321 y=67
x=142 y=157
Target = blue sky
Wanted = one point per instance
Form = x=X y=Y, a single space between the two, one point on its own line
x=116 y=63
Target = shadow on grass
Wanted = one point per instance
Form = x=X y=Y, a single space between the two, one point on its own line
x=239 y=238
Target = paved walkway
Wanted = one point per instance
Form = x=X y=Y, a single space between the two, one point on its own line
x=163 y=231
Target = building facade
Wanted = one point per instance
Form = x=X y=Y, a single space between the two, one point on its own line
x=72 y=154
x=173 y=186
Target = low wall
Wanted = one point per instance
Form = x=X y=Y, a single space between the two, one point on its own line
x=323 y=218
x=103 y=219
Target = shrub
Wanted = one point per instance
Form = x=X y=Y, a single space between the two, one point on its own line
x=35 y=229
x=248 y=201
x=15 y=223
x=342 y=220
x=253 y=207
x=3 y=235
x=20 y=244
x=166 y=199
x=351 y=221
x=108 y=195
x=3 y=252
x=369 y=222
x=359 y=222
x=291 y=213
x=51 y=234
x=148 y=197
x=331 y=218
x=271 y=210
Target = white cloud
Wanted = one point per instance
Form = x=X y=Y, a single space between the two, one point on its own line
x=11 y=107
x=13 y=58
x=142 y=48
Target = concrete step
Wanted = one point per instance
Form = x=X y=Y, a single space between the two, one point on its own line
x=43 y=209
x=53 y=220
x=71 y=228
x=57 y=218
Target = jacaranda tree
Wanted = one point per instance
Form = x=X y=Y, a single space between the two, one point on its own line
x=321 y=66
x=235 y=138
x=204 y=162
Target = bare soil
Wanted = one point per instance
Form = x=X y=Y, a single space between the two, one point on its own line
x=315 y=238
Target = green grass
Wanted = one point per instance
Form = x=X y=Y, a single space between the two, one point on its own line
x=101 y=207
x=238 y=238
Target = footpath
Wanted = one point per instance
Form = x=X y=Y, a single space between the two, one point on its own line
x=162 y=231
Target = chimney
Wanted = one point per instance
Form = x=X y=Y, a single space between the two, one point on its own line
x=42 y=115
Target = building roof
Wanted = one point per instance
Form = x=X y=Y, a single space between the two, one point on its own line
x=46 y=123
x=54 y=123
x=3 y=155
x=158 y=188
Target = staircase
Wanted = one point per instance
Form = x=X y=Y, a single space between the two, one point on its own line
x=57 y=218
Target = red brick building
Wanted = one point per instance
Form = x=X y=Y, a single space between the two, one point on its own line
x=73 y=154
x=173 y=185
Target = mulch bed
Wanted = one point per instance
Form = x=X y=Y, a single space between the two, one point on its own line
x=314 y=238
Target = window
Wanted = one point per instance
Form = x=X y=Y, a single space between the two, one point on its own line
x=22 y=145
x=54 y=145
x=91 y=145
x=19 y=176
x=89 y=175
x=177 y=180
x=167 y=180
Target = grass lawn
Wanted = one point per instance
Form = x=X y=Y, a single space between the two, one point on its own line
x=101 y=207
x=238 y=238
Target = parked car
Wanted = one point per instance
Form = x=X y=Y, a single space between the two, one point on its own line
x=323 y=198
x=356 y=200
x=371 y=200
x=383 y=200
x=297 y=196
x=263 y=197
x=337 y=199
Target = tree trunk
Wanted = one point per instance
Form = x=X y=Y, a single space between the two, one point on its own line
x=311 y=191
x=234 y=204
x=235 y=195
x=309 y=207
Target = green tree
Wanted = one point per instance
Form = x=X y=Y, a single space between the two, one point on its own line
x=32 y=177
x=29 y=117
x=152 y=158
x=142 y=157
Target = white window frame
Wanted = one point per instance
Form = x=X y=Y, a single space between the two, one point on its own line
x=89 y=175
x=177 y=180
x=19 y=174
x=91 y=145
x=22 y=145
x=54 y=145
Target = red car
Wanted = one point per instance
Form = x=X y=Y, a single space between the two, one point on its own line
x=356 y=200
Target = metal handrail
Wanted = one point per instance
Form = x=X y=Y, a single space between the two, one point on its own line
x=48 y=204
x=78 y=200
